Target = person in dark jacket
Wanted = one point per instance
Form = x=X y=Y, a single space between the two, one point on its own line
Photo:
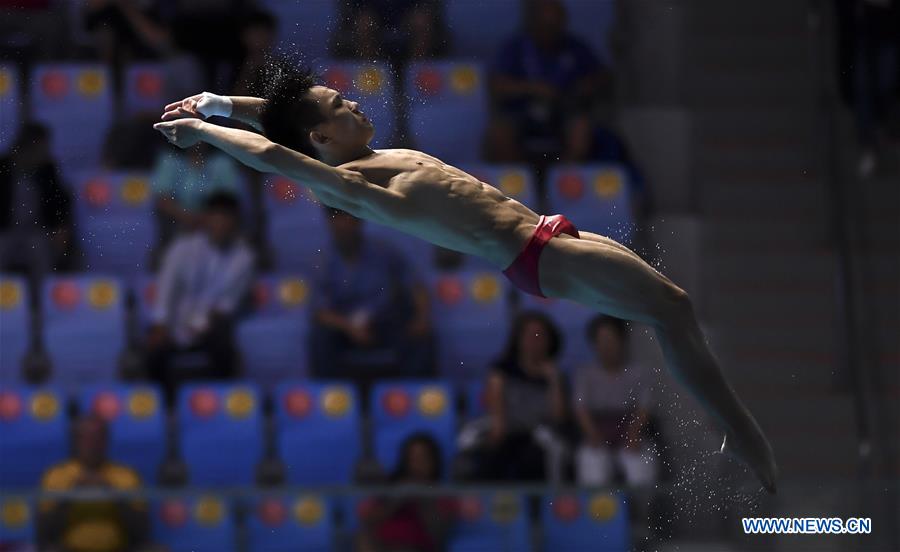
x=36 y=228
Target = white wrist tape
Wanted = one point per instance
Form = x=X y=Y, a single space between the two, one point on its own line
x=212 y=104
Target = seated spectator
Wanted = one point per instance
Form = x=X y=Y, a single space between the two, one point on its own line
x=410 y=523
x=612 y=398
x=202 y=283
x=371 y=313
x=519 y=440
x=395 y=30
x=36 y=230
x=97 y=525
x=183 y=180
x=543 y=84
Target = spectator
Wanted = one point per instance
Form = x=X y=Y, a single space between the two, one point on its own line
x=410 y=523
x=98 y=525
x=36 y=229
x=543 y=84
x=396 y=30
x=612 y=399
x=182 y=182
x=370 y=310
x=526 y=407
x=202 y=284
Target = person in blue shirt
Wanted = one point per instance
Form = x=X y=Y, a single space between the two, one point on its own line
x=542 y=84
x=370 y=310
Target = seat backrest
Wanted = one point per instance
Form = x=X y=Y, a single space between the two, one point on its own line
x=297 y=228
x=280 y=523
x=200 y=523
x=10 y=105
x=399 y=409
x=18 y=519
x=597 y=521
x=86 y=301
x=15 y=326
x=144 y=88
x=491 y=521
x=596 y=198
x=136 y=420
x=35 y=433
x=212 y=417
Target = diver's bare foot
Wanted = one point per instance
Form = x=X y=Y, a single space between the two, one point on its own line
x=753 y=449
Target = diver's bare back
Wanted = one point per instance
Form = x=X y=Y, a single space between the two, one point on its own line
x=447 y=206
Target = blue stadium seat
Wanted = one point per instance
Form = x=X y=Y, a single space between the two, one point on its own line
x=447 y=109
x=17 y=522
x=76 y=102
x=136 y=421
x=115 y=219
x=417 y=252
x=35 y=434
x=144 y=89
x=305 y=27
x=278 y=523
x=571 y=319
x=476 y=399
x=372 y=86
x=203 y=523
x=595 y=197
x=516 y=181
x=297 y=229
x=466 y=21
x=497 y=522
x=84 y=328
x=272 y=339
x=320 y=417
x=10 y=106
x=471 y=317
x=399 y=409
x=573 y=523
x=14 y=328
x=218 y=417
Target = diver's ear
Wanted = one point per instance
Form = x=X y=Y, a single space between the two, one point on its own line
x=317 y=137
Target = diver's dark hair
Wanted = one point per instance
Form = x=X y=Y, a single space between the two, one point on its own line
x=617 y=324
x=289 y=114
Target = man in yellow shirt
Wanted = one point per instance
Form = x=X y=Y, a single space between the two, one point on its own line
x=104 y=525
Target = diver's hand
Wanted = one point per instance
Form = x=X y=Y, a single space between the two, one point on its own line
x=183 y=133
x=199 y=106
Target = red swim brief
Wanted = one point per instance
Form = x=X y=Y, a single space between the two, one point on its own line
x=523 y=272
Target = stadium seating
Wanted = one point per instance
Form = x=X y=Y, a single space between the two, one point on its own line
x=115 y=221
x=144 y=289
x=136 y=421
x=447 y=109
x=399 y=409
x=516 y=181
x=144 y=89
x=476 y=399
x=76 y=102
x=320 y=417
x=272 y=339
x=585 y=522
x=297 y=229
x=203 y=523
x=35 y=434
x=218 y=417
x=416 y=251
x=372 y=86
x=17 y=521
x=10 y=100
x=471 y=316
x=304 y=27
x=497 y=522
x=14 y=328
x=290 y=524
x=594 y=197
x=84 y=328
x=571 y=320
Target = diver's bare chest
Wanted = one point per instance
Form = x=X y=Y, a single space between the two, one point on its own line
x=400 y=169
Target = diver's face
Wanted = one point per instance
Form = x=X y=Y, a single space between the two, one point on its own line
x=345 y=126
